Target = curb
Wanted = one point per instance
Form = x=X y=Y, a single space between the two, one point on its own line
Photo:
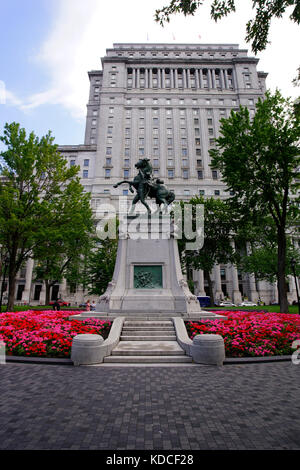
x=40 y=360
x=68 y=362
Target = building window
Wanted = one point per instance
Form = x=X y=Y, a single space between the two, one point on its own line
x=199 y=162
x=109 y=130
x=184 y=162
x=201 y=192
x=126 y=173
x=186 y=192
x=95 y=112
x=108 y=151
x=141 y=151
x=108 y=161
x=212 y=142
x=86 y=162
x=107 y=173
x=72 y=162
x=126 y=162
x=170 y=162
x=185 y=174
x=169 y=141
x=156 y=162
x=200 y=174
x=141 y=141
x=210 y=131
x=155 y=151
x=217 y=192
x=198 y=152
x=125 y=192
x=155 y=131
x=127 y=130
x=85 y=173
x=170 y=173
x=214 y=174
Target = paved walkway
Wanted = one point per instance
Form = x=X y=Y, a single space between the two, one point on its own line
x=249 y=406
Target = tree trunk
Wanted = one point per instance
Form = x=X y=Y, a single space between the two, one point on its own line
x=210 y=289
x=11 y=289
x=281 y=267
x=47 y=293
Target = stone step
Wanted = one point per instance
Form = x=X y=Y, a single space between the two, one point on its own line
x=147 y=348
x=150 y=332
x=148 y=324
x=148 y=338
x=150 y=328
x=148 y=359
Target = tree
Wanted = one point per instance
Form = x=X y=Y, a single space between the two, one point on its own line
x=262 y=262
x=257 y=29
x=34 y=185
x=100 y=265
x=62 y=248
x=259 y=161
x=218 y=231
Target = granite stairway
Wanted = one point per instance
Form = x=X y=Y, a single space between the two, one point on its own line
x=148 y=341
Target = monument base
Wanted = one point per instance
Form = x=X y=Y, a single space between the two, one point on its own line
x=147 y=279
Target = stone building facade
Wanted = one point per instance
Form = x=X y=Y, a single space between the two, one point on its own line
x=163 y=102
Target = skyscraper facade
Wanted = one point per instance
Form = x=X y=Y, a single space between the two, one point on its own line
x=163 y=102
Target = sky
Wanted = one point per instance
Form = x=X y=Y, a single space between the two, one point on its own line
x=48 y=46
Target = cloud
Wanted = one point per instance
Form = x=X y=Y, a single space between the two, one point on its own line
x=81 y=31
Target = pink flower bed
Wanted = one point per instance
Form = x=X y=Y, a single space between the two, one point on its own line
x=45 y=333
x=252 y=333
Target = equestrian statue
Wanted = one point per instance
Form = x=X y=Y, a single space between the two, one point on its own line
x=148 y=187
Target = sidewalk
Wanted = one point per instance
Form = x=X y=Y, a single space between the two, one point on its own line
x=244 y=406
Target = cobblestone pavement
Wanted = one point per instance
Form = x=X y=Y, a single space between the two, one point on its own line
x=248 y=406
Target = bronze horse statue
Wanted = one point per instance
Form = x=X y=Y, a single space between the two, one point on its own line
x=145 y=187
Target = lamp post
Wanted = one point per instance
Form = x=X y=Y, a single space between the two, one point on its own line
x=293 y=266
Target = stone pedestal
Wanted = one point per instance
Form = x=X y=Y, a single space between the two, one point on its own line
x=86 y=349
x=208 y=349
x=147 y=276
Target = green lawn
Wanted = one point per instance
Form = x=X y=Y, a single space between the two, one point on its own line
x=266 y=308
x=23 y=308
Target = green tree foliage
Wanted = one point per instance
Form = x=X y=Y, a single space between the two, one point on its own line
x=259 y=161
x=218 y=231
x=257 y=29
x=62 y=248
x=100 y=265
x=36 y=197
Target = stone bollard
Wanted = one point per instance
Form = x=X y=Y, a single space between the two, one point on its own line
x=208 y=349
x=86 y=349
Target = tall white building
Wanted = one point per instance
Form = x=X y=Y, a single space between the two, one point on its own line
x=163 y=102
